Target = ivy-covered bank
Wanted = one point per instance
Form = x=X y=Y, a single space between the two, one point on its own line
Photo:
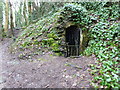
x=48 y=34
x=104 y=43
x=101 y=21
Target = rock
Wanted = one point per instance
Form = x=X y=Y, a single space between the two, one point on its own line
x=18 y=77
x=74 y=84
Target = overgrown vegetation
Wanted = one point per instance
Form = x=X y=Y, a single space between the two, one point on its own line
x=47 y=34
x=39 y=37
x=75 y=13
x=103 y=22
x=104 y=43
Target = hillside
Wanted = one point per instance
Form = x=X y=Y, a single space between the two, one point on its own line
x=100 y=22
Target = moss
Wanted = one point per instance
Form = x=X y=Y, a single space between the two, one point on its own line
x=48 y=33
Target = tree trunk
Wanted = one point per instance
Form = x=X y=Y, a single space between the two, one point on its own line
x=35 y=11
x=1 y=32
x=11 y=21
x=1 y=20
x=6 y=16
x=24 y=13
x=30 y=11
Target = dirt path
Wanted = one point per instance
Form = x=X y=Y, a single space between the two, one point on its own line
x=1 y=85
x=43 y=71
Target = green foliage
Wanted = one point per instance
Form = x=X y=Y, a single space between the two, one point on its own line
x=92 y=5
x=104 y=43
x=110 y=13
x=75 y=13
x=103 y=22
x=40 y=36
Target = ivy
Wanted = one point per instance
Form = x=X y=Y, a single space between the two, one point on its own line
x=40 y=36
x=102 y=19
x=75 y=13
x=104 y=45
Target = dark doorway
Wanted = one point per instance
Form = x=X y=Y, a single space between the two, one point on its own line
x=72 y=36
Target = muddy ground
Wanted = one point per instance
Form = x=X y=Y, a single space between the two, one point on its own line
x=43 y=71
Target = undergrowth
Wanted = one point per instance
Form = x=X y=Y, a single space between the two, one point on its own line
x=104 y=43
x=40 y=36
x=103 y=22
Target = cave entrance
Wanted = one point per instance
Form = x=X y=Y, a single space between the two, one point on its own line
x=72 y=38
